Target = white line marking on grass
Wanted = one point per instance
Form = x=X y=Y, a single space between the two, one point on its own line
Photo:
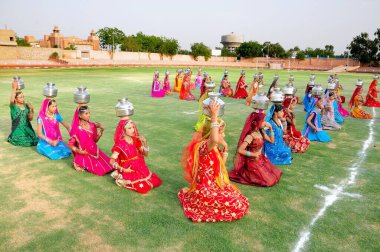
x=334 y=194
x=190 y=112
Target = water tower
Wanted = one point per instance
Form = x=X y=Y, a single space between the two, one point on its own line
x=231 y=41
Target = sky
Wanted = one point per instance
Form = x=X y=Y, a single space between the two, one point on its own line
x=302 y=23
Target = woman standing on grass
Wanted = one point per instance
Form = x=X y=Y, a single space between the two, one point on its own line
x=50 y=141
x=251 y=166
x=22 y=133
x=313 y=126
x=84 y=135
x=210 y=197
x=127 y=159
x=156 y=90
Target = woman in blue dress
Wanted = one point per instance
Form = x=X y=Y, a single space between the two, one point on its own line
x=278 y=152
x=313 y=126
x=50 y=140
x=307 y=99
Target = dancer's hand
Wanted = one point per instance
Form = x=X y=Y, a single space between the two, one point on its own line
x=214 y=108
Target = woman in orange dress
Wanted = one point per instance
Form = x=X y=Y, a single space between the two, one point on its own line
x=210 y=196
x=185 y=93
x=225 y=87
x=357 y=101
x=372 y=96
x=255 y=86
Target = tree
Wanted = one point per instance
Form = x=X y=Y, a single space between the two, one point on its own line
x=277 y=51
x=363 y=48
x=249 y=49
x=169 y=47
x=110 y=38
x=300 y=55
x=227 y=53
x=377 y=42
x=199 y=49
x=329 y=51
x=21 y=42
x=131 y=44
x=184 y=52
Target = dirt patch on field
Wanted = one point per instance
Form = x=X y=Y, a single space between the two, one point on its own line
x=343 y=134
x=331 y=145
x=43 y=207
x=93 y=242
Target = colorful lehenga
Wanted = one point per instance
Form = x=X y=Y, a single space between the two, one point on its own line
x=292 y=137
x=320 y=135
x=240 y=92
x=225 y=88
x=156 y=91
x=95 y=161
x=278 y=152
x=185 y=93
x=128 y=155
x=249 y=170
x=22 y=133
x=357 y=101
x=50 y=129
x=198 y=80
x=178 y=82
x=210 y=197
x=328 y=118
x=166 y=88
x=252 y=91
x=372 y=96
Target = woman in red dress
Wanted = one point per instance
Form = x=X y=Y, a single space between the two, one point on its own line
x=185 y=93
x=292 y=137
x=251 y=166
x=210 y=197
x=240 y=92
x=127 y=159
x=372 y=96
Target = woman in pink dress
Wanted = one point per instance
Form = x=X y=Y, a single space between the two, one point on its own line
x=225 y=87
x=83 y=138
x=156 y=91
x=167 y=89
x=127 y=158
x=198 y=80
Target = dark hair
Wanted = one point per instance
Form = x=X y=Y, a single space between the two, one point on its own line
x=17 y=94
x=51 y=101
x=82 y=109
x=226 y=75
x=278 y=107
x=331 y=94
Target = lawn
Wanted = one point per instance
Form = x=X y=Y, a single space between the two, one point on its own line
x=47 y=205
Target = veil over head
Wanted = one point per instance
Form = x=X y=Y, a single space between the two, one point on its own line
x=51 y=130
x=252 y=123
x=356 y=92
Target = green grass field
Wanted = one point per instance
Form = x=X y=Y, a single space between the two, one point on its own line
x=47 y=205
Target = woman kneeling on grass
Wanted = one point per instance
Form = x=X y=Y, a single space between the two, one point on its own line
x=128 y=161
x=50 y=143
x=84 y=136
x=251 y=166
x=313 y=126
x=22 y=133
x=210 y=197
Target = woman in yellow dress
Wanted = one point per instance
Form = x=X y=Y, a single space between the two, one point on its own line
x=357 y=100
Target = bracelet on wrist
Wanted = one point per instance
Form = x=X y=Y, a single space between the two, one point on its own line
x=248 y=154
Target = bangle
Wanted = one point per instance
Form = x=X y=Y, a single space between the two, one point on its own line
x=146 y=149
x=214 y=124
x=271 y=133
x=248 y=153
x=225 y=154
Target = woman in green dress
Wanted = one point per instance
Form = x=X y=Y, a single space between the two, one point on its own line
x=22 y=133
